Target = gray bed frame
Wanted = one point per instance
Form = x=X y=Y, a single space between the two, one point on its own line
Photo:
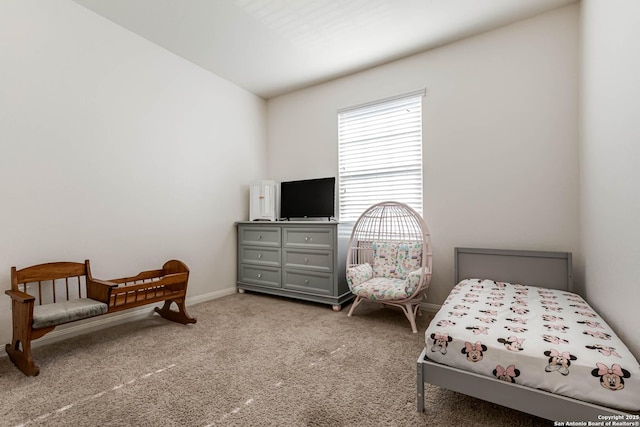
x=543 y=269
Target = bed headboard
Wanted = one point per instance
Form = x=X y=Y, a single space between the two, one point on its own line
x=544 y=269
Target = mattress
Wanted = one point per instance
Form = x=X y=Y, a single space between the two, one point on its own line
x=541 y=338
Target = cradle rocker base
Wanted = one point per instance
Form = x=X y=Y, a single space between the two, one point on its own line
x=180 y=316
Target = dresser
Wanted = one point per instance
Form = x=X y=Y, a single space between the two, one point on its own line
x=297 y=259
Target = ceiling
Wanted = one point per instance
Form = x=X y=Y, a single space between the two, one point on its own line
x=271 y=47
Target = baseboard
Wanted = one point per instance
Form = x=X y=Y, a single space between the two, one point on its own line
x=430 y=308
x=211 y=296
x=101 y=322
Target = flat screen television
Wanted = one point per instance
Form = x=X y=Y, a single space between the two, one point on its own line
x=309 y=198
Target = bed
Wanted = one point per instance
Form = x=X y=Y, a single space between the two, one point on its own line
x=512 y=332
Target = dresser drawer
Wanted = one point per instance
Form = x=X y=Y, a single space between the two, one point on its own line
x=265 y=276
x=316 y=238
x=312 y=282
x=259 y=236
x=260 y=255
x=308 y=260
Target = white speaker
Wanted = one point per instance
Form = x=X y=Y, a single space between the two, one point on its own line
x=263 y=201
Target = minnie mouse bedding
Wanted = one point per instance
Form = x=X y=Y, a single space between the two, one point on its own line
x=541 y=338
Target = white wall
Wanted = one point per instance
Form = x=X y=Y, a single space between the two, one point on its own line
x=500 y=129
x=115 y=150
x=610 y=160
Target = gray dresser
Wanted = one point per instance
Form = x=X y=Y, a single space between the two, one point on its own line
x=297 y=259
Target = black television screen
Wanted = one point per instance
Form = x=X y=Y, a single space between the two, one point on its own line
x=310 y=198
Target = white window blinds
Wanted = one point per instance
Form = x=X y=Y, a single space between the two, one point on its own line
x=380 y=154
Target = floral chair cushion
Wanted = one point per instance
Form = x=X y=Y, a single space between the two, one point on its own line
x=394 y=275
x=385 y=257
x=412 y=281
x=381 y=288
x=409 y=258
x=359 y=274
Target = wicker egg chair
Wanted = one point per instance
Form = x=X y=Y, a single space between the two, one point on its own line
x=389 y=259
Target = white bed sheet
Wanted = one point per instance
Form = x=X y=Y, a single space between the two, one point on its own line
x=541 y=338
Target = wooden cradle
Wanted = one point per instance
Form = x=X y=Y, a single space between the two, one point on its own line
x=169 y=284
x=47 y=295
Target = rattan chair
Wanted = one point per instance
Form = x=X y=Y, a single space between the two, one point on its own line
x=389 y=258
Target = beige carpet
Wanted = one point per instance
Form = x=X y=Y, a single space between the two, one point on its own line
x=251 y=360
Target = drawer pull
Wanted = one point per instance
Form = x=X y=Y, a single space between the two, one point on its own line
x=306 y=281
x=259 y=275
x=259 y=236
x=306 y=260
x=259 y=255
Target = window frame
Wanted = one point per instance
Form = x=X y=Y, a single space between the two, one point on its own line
x=388 y=132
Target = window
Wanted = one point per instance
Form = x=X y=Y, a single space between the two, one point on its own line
x=380 y=154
